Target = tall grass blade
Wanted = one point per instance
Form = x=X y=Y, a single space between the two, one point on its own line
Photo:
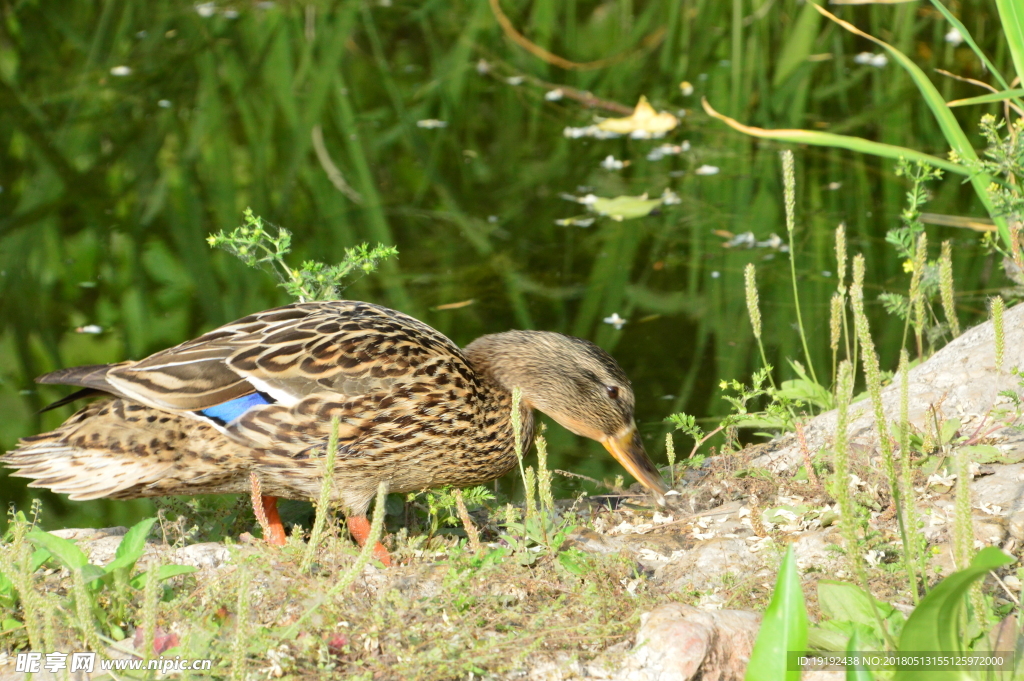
x=1011 y=14
x=969 y=39
x=828 y=139
x=987 y=99
x=951 y=129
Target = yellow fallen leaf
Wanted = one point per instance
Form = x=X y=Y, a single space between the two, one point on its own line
x=644 y=118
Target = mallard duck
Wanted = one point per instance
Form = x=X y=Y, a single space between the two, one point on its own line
x=256 y=399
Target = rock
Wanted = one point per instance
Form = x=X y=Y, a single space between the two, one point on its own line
x=961 y=380
x=708 y=563
x=206 y=555
x=680 y=642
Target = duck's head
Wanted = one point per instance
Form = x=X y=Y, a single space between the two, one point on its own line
x=577 y=384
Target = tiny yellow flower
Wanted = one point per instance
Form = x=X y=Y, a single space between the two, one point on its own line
x=908 y=266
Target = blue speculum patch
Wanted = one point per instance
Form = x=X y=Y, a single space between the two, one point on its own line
x=226 y=412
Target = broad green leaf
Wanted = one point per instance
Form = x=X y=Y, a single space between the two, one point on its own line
x=91 y=573
x=132 y=545
x=856 y=673
x=65 y=551
x=986 y=99
x=988 y=454
x=783 y=629
x=935 y=623
x=845 y=602
x=798 y=45
x=954 y=134
x=162 y=573
x=948 y=430
x=828 y=139
x=625 y=207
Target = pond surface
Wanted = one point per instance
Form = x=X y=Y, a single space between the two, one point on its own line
x=130 y=131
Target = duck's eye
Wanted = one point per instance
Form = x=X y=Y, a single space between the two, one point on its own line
x=613 y=391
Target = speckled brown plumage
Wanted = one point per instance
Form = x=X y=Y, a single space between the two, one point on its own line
x=413 y=410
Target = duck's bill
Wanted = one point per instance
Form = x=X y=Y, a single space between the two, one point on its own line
x=628 y=450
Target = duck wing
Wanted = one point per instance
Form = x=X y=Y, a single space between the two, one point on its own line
x=288 y=353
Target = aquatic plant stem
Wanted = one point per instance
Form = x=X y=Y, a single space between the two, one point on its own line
x=789 y=189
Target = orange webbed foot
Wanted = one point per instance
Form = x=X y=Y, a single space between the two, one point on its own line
x=359 y=527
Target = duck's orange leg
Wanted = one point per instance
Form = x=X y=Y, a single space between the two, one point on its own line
x=359 y=527
x=276 y=534
x=265 y=509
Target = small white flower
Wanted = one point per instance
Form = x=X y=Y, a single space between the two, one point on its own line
x=554 y=95
x=121 y=71
x=670 y=198
x=706 y=170
x=954 y=37
x=612 y=163
x=89 y=328
x=615 y=320
x=164 y=104
x=832 y=186
x=715 y=274
x=483 y=67
x=431 y=124
x=588 y=199
x=686 y=88
x=515 y=80
x=206 y=9
x=230 y=13
x=876 y=60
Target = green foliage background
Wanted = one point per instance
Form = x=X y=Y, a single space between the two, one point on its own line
x=109 y=185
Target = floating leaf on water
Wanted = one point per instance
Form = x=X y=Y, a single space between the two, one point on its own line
x=590 y=131
x=658 y=153
x=670 y=198
x=578 y=221
x=623 y=207
x=643 y=120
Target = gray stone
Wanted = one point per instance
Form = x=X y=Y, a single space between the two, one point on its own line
x=960 y=380
x=707 y=564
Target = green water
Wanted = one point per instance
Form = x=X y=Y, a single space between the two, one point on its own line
x=131 y=130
